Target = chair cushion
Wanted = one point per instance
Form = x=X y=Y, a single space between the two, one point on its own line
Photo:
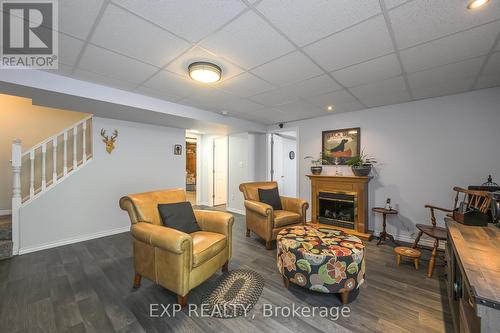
x=206 y=245
x=179 y=216
x=284 y=217
x=271 y=197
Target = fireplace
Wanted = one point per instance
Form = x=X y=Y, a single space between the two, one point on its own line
x=338 y=209
x=340 y=202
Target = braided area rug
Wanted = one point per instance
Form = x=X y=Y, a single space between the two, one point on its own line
x=234 y=293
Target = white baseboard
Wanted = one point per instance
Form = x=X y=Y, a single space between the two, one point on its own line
x=429 y=242
x=73 y=240
x=5 y=212
x=235 y=210
x=203 y=203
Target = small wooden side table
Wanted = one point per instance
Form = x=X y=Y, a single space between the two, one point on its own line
x=384 y=234
x=408 y=252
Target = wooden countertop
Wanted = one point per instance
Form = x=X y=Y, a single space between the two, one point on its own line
x=478 y=250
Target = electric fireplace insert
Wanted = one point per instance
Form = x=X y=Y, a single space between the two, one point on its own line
x=338 y=209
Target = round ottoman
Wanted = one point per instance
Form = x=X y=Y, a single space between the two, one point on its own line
x=321 y=259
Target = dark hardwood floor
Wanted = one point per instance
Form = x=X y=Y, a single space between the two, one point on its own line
x=87 y=287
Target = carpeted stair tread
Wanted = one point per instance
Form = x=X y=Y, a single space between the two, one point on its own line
x=5 y=249
x=5 y=227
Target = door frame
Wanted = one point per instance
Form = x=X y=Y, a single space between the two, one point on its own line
x=297 y=154
x=198 y=164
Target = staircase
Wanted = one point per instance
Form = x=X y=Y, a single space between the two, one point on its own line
x=38 y=170
x=5 y=236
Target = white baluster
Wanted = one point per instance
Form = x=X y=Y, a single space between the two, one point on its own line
x=84 y=140
x=44 y=180
x=75 y=160
x=54 y=160
x=32 y=173
x=16 y=192
x=65 y=154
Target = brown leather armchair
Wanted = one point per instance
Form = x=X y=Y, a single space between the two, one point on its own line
x=173 y=259
x=266 y=222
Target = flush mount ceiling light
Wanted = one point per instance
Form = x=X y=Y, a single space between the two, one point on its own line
x=330 y=108
x=204 y=72
x=474 y=4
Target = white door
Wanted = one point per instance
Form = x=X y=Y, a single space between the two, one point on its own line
x=220 y=171
x=278 y=161
x=289 y=167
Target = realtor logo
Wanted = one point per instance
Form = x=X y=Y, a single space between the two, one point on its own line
x=29 y=34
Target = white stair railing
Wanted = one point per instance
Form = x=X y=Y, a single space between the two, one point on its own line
x=31 y=181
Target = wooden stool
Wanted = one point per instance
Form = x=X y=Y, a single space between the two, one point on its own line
x=407 y=252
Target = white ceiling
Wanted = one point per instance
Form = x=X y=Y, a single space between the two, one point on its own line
x=283 y=60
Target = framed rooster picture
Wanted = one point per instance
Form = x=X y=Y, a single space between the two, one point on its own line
x=340 y=145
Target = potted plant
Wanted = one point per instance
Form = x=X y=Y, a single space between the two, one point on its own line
x=361 y=165
x=316 y=167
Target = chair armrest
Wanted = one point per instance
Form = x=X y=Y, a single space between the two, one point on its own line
x=213 y=221
x=295 y=205
x=438 y=208
x=165 y=238
x=259 y=207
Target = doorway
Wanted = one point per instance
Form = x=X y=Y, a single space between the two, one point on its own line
x=282 y=166
x=191 y=169
x=219 y=171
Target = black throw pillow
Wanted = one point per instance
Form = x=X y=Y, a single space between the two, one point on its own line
x=179 y=215
x=270 y=197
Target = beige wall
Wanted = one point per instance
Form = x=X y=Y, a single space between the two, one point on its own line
x=30 y=123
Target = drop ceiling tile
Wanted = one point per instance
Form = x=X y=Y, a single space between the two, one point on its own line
x=274 y=97
x=445 y=74
x=165 y=95
x=443 y=88
x=301 y=108
x=463 y=45
x=307 y=21
x=138 y=39
x=312 y=87
x=113 y=65
x=173 y=84
x=180 y=65
x=62 y=69
x=370 y=71
x=213 y=99
x=332 y=98
x=248 y=41
x=192 y=19
x=245 y=85
x=286 y=70
x=365 y=41
x=69 y=49
x=493 y=64
x=237 y=105
x=488 y=81
x=77 y=17
x=390 y=91
x=348 y=107
x=498 y=47
x=423 y=20
x=103 y=80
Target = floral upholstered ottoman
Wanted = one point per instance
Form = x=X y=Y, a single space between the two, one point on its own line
x=321 y=259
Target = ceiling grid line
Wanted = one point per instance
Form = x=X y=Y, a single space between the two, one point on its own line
x=395 y=45
x=488 y=57
x=99 y=16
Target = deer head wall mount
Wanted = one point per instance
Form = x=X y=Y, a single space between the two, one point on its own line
x=110 y=142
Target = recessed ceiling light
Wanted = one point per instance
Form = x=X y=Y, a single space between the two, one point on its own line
x=330 y=108
x=225 y=113
x=204 y=72
x=474 y=4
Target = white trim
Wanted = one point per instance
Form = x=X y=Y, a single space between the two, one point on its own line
x=5 y=212
x=235 y=210
x=203 y=203
x=73 y=240
x=297 y=154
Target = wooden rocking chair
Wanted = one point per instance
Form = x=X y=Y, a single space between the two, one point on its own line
x=472 y=199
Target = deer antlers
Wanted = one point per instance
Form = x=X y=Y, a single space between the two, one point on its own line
x=106 y=138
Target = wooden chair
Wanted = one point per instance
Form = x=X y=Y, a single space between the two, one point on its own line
x=472 y=199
